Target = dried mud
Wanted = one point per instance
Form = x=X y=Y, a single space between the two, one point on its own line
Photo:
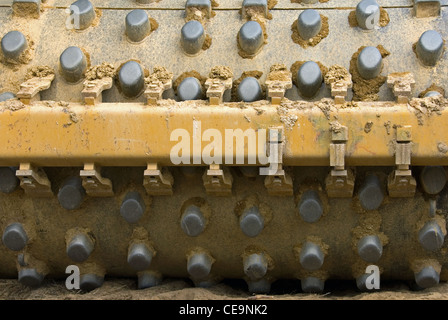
x=159 y=74
x=38 y=71
x=199 y=14
x=278 y=72
x=154 y=24
x=101 y=71
x=98 y=14
x=14 y=105
x=207 y=42
x=221 y=72
x=336 y=73
x=426 y=107
x=442 y=147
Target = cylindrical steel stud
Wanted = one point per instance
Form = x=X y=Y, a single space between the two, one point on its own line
x=251 y=37
x=73 y=64
x=137 y=25
x=371 y=194
x=310 y=206
x=6 y=96
x=13 y=44
x=80 y=247
x=193 y=221
x=431 y=236
x=192 y=37
x=83 y=14
x=367 y=14
x=255 y=266
x=311 y=257
x=8 y=179
x=90 y=281
x=309 y=24
x=433 y=179
x=309 y=79
x=133 y=207
x=430 y=47
x=370 y=62
x=131 y=79
x=252 y=222
x=199 y=265
x=14 y=237
x=139 y=256
x=30 y=277
x=148 y=279
x=249 y=90
x=428 y=277
x=432 y=94
x=71 y=194
x=189 y=89
x=370 y=248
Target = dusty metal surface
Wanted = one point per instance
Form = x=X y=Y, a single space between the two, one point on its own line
x=135 y=134
x=162 y=47
x=399 y=219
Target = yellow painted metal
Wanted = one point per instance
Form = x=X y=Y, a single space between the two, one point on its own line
x=134 y=134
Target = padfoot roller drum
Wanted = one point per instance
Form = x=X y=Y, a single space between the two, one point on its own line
x=230 y=139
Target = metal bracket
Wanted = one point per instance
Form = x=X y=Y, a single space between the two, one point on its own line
x=94 y=184
x=216 y=88
x=30 y=89
x=93 y=89
x=340 y=182
x=339 y=89
x=276 y=90
x=278 y=183
x=258 y=5
x=34 y=181
x=25 y=8
x=203 y=6
x=154 y=90
x=218 y=180
x=402 y=85
x=427 y=8
x=158 y=181
x=400 y=182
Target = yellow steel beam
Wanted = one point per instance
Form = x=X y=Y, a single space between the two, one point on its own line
x=133 y=134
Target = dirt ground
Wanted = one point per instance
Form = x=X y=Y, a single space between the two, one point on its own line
x=179 y=289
